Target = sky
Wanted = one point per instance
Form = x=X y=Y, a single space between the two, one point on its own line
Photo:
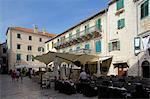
x=53 y=15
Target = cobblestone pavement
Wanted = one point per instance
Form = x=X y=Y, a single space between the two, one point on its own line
x=29 y=89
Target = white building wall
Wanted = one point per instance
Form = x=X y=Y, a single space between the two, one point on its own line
x=25 y=42
x=125 y=35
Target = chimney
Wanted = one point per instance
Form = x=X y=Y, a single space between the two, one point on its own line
x=35 y=29
x=43 y=30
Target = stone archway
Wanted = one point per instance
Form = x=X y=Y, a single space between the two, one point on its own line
x=146 y=69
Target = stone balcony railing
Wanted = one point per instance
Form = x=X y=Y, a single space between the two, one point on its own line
x=82 y=36
x=81 y=51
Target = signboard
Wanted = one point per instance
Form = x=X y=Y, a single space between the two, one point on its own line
x=137 y=45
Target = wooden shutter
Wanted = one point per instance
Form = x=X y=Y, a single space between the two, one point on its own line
x=110 y=46
x=120 y=4
x=87 y=46
x=98 y=46
x=118 y=45
x=98 y=23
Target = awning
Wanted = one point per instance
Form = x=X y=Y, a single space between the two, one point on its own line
x=121 y=64
x=84 y=58
x=66 y=57
x=105 y=58
x=62 y=57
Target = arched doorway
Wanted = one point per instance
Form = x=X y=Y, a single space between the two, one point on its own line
x=146 y=69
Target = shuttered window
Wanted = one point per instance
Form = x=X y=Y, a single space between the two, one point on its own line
x=30 y=58
x=78 y=47
x=145 y=9
x=18 y=57
x=87 y=46
x=98 y=46
x=121 y=23
x=87 y=28
x=78 y=33
x=114 y=46
x=98 y=23
x=120 y=4
x=70 y=36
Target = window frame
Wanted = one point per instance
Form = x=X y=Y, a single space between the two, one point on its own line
x=18 y=46
x=18 y=35
x=121 y=23
x=30 y=38
x=18 y=57
x=144 y=9
x=29 y=48
x=40 y=39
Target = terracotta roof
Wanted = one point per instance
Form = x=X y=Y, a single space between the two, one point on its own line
x=27 y=30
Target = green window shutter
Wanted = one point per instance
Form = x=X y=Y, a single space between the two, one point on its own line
x=118 y=24
x=32 y=58
x=70 y=36
x=78 y=33
x=98 y=23
x=110 y=47
x=118 y=45
x=18 y=57
x=145 y=9
x=27 y=57
x=120 y=4
x=121 y=23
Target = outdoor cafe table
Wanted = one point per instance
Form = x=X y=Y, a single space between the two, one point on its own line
x=111 y=92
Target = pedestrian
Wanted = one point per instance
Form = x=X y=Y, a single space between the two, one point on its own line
x=17 y=75
x=13 y=75
x=21 y=76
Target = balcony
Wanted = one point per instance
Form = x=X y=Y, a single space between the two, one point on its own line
x=81 y=51
x=82 y=36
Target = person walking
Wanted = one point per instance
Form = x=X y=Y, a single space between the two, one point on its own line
x=21 y=76
x=13 y=75
x=17 y=75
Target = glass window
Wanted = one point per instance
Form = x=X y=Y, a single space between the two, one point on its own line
x=39 y=49
x=145 y=9
x=121 y=23
x=40 y=39
x=18 y=35
x=30 y=58
x=87 y=46
x=120 y=4
x=29 y=48
x=98 y=46
x=30 y=37
x=18 y=57
x=18 y=46
x=114 y=46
